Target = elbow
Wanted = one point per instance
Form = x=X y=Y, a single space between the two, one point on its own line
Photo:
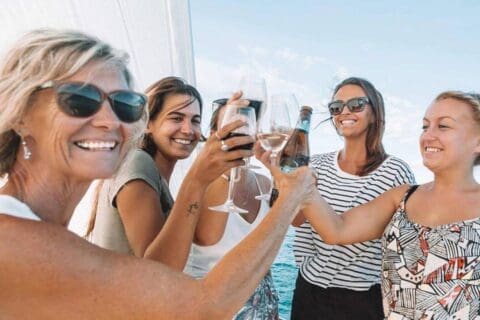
x=330 y=240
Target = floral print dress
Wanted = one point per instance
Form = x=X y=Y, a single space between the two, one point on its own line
x=430 y=273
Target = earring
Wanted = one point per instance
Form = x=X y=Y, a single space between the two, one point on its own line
x=26 y=151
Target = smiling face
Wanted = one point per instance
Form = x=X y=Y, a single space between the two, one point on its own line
x=81 y=148
x=176 y=130
x=352 y=124
x=450 y=136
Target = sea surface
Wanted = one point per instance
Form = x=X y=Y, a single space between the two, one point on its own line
x=284 y=272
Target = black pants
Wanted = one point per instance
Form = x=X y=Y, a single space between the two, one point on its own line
x=313 y=302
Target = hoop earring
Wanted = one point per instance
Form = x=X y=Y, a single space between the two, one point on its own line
x=27 y=154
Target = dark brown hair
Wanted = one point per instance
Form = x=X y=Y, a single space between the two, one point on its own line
x=157 y=94
x=373 y=143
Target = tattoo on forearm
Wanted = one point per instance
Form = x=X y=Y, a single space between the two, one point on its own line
x=192 y=208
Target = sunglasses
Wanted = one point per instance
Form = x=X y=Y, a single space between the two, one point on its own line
x=82 y=100
x=354 y=105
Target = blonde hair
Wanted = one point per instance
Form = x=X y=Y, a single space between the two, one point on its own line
x=38 y=57
x=471 y=99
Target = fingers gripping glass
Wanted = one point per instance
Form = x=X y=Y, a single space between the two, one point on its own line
x=82 y=100
x=354 y=105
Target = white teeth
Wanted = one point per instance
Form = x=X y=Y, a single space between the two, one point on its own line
x=182 y=141
x=96 y=145
x=432 y=149
x=347 y=122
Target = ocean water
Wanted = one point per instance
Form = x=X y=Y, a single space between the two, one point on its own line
x=284 y=272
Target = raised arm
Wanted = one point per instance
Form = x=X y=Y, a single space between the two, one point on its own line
x=172 y=244
x=51 y=273
x=362 y=223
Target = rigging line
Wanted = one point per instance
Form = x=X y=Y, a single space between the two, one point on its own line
x=324 y=120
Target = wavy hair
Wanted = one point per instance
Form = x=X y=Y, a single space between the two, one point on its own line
x=373 y=143
x=40 y=56
x=157 y=93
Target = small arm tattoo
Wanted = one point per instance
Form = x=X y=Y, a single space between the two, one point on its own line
x=192 y=208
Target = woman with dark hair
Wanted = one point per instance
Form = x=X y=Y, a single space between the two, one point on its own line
x=342 y=281
x=430 y=233
x=218 y=232
x=131 y=211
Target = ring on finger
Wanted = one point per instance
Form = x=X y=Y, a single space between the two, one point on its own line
x=224 y=146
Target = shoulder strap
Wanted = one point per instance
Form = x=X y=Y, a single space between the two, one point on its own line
x=407 y=195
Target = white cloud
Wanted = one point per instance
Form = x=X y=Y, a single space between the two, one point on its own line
x=286 y=54
x=283 y=72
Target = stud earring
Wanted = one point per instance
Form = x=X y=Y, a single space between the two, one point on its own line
x=26 y=151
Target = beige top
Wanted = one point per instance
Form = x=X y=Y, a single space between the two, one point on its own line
x=109 y=232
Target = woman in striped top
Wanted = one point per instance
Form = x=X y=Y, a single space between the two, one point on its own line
x=430 y=233
x=342 y=281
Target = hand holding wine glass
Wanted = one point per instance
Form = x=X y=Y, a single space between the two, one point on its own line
x=232 y=113
x=274 y=130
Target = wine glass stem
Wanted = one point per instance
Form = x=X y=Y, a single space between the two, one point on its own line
x=273 y=161
x=233 y=174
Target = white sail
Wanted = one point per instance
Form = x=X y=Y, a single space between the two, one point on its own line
x=156 y=34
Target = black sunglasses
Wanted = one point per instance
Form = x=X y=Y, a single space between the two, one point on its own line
x=354 y=105
x=82 y=100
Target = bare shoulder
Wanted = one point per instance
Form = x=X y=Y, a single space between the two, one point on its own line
x=395 y=195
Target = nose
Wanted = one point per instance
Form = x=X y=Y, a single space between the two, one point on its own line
x=105 y=117
x=429 y=134
x=345 y=109
x=187 y=127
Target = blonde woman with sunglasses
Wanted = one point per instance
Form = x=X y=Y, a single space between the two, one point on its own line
x=343 y=281
x=68 y=116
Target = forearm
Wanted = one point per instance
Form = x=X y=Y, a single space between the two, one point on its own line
x=237 y=275
x=324 y=220
x=172 y=244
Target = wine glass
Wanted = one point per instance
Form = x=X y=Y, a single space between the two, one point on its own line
x=254 y=89
x=232 y=113
x=274 y=131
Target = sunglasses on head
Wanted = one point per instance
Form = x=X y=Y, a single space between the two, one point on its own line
x=82 y=100
x=354 y=105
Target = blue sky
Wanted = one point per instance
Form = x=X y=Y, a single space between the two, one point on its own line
x=410 y=50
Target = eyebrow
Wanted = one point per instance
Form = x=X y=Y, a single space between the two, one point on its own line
x=441 y=118
x=177 y=113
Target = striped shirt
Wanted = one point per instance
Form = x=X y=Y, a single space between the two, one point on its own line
x=356 y=266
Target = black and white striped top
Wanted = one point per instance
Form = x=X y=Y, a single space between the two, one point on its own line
x=356 y=266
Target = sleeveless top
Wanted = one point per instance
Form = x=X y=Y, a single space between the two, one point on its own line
x=263 y=303
x=13 y=207
x=430 y=272
x=109 y=232
x=203 y=258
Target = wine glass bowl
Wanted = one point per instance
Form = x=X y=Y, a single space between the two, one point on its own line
x=274 y=131
x=233 y=113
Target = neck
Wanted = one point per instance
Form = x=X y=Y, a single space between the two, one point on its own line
x=50 y=197
x=165 y=166
x=455 y=180
x=354 y=151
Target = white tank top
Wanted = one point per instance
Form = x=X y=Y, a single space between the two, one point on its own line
x=13 y=207
x=203 y=258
